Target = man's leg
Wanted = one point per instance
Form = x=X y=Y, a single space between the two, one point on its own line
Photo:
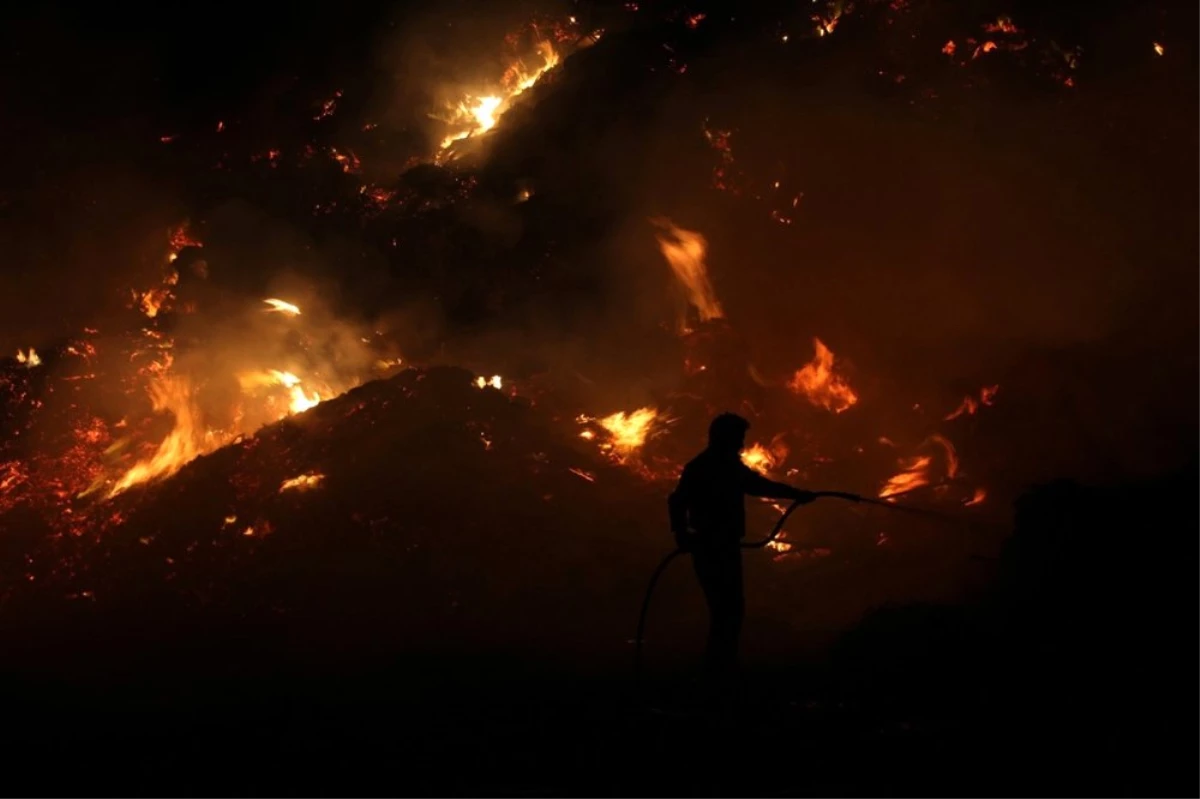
x=720 y=574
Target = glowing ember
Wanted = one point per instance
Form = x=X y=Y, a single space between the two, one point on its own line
x=30 y=358
x=591 y=478
x=818 y=382
x=302 y=482
x=977 y=498
x=629 y=431
x=1158 y=48
x=328 y=107
x=281 y=306
x=685 y=251
x=494 y=381
x=477 y=114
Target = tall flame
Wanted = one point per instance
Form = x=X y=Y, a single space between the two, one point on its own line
x=182 y=444
x=818 y=382
x=685 y=251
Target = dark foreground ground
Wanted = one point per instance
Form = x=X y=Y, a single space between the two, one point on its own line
x=408 y=734
x=1076 y=675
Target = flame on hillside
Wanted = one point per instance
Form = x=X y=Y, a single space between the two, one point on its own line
x=685 y=251
x=476 y=114
x=185 y=441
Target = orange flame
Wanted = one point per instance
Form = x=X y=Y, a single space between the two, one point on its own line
x=495 y=381
x=477 y=114
x=299 y=401
x=763 y=459
x=30 y=359
x=184 y=442
x=977 y=498
x=820 y=385
x=685 y=251
x=629 y=431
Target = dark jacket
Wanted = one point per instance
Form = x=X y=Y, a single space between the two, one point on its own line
x=710 y=496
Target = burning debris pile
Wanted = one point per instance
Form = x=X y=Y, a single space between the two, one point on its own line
x=451 y=515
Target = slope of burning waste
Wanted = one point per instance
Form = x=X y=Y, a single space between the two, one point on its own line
x=460 y=515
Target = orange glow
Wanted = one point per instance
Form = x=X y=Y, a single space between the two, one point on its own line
x=977 y=498
x=818 y=382
x=826 y=24
x=298 y=399
x=495 y=381
x=348 y=160
x=1158 y=48
x=685 y=251
x=30 y=358
x=302 y=401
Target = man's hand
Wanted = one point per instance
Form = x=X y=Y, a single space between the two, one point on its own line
x=685 y=540
x=803 y=497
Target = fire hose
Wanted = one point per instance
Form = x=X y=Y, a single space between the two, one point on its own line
x=775 y=531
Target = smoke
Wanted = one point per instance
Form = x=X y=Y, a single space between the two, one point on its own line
x=994 y=238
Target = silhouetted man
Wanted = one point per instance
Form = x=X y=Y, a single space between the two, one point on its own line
x=708 y=518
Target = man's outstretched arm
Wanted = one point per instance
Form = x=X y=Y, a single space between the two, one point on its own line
x=756 y=485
